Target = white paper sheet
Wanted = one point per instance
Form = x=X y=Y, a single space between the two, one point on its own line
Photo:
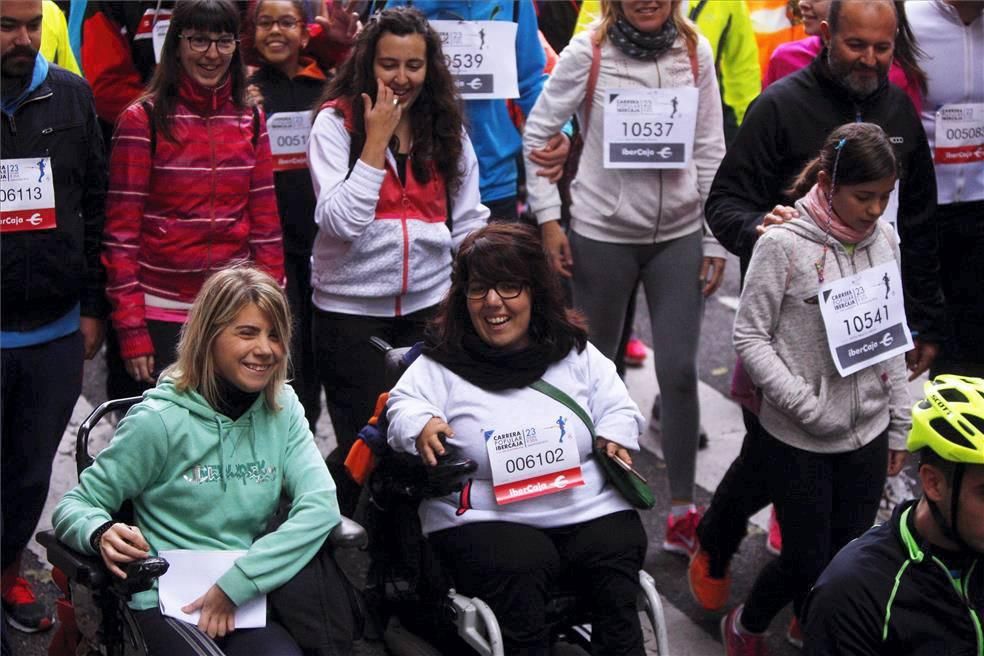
x=191 y=574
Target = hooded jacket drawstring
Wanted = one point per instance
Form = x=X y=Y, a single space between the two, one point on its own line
x=252 y=438
x=222 y=469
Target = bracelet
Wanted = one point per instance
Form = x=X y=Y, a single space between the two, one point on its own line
x=97 y=535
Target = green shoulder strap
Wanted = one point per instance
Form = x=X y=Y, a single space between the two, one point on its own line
x=558 y=395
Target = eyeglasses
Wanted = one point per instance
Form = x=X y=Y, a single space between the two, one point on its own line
x=284 y=22
x=505 y=290
x=199 y=43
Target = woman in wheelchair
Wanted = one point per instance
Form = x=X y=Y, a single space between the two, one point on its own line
x=204 y=458
x=538 y=507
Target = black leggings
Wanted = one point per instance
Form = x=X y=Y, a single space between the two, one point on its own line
x=119 y=384
x=352 y=373
x=742 y=492
x=512 y=567
x=823 y=501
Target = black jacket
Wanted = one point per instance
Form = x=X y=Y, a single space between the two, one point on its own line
x=295 y=193
x=890 y=592
x=784 y=128
x=45 y=273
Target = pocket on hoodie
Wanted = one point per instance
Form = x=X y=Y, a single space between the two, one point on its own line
x=830 y=412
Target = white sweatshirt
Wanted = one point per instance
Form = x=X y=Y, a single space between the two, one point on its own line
x=625 y=205
x=383 y=262
x=428 y=389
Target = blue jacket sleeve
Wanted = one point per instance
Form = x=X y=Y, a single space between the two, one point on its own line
x=530 y=60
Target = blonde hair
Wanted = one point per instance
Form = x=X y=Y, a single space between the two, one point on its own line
x=611 y=10
x=221 y=298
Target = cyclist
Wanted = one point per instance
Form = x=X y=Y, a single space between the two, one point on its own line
x=915 y=585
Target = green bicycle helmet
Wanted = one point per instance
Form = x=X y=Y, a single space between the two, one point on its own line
x=950 y=420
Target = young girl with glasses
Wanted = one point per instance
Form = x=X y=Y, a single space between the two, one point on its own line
x=190 y=191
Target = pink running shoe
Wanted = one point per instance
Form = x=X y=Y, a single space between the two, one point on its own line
x=635 y=352
x=681 y=534
x=737 y=641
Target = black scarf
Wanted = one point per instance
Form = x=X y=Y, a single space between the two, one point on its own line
x=494 y=369
x=641 y=45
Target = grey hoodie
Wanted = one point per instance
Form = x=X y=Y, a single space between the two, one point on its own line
x=780 y=337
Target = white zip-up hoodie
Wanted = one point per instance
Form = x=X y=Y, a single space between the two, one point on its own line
x=383 y=248
x=622 y=205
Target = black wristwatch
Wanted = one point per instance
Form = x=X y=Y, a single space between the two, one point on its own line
x=97 y=535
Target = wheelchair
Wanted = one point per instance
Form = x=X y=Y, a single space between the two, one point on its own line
x=98 y=599
x=406 y=586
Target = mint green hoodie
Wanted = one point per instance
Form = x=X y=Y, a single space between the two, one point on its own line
x=199 y=480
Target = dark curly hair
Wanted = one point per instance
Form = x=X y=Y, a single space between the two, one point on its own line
x=219 y=16
x=435 y=116
x=508 y=252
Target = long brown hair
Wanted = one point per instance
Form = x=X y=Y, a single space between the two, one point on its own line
x=508 y=252
x=611 y=10
x=219 y=16
x=860 y=152
x=435 y=116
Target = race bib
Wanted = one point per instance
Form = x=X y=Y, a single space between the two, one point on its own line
x=529 y=461
x=27 y=195
x=289 y=133
x=864 y=317
x=960 y=133
x=649 y=128
x=481 y=56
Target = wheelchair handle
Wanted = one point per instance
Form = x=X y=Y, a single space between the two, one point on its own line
x=82 y=457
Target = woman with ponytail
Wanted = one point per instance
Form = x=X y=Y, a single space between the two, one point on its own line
x=827 y=437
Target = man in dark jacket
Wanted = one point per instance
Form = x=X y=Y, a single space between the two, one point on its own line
x=53 y=187
x=784 y=129
x=915 y=585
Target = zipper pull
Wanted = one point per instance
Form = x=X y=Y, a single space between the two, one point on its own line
x=47 y=131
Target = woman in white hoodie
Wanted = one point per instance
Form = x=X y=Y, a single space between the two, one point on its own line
x=827 y=429
x=631 y=222
x=396 y=180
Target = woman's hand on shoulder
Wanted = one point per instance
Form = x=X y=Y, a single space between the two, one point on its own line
x=613 y=449
x=218 y=617
x=381 y=120
x=429 y=444
x=122 y=543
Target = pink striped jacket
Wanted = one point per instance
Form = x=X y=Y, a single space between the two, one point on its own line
x=205 y=201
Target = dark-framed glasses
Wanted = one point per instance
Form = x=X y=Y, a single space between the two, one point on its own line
x=225 y=45
x=284 y=22
x=506 y=290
